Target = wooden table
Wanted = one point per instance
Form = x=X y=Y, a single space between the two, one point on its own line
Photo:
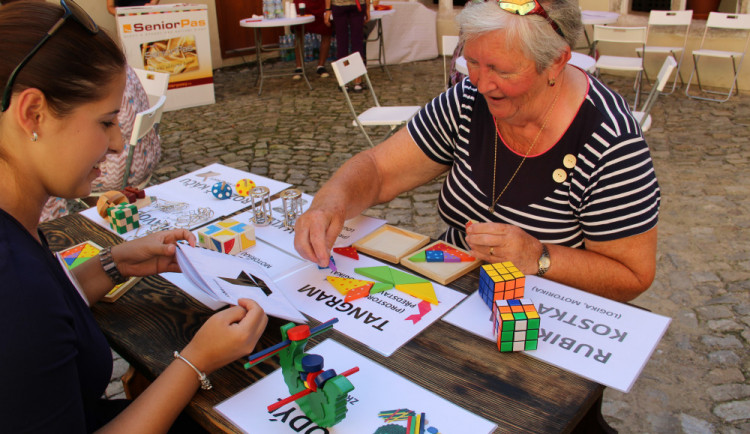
x=518 y=392
x=298 y=25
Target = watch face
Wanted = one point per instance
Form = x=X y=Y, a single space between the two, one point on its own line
x=544 y=262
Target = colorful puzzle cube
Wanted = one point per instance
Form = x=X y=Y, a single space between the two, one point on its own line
x=516 y=325
x=123 y=217
x=502 y=281
x=228 y=236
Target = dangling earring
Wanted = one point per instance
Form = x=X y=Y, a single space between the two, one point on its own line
x=34 y=136
x=551 y=82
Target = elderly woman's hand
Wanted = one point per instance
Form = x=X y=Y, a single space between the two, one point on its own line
x=499 y=242
x=315 y=232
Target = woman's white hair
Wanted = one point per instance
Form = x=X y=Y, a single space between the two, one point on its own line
x=531 y=33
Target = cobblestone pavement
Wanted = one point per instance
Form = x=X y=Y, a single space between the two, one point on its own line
x=697 y=379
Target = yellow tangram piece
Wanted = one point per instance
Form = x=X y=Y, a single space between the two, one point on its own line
x=344 y=285
x=88 y=251
x=423 y=291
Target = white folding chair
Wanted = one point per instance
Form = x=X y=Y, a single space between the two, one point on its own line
x=145 y=121
x=716 y=23
x=678 y=25
x=448 y=46
x=643 y=116
x=154 y=83
x=621 y=35
x=347 y=69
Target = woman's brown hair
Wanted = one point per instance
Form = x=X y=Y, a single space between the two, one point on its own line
x=72 y=68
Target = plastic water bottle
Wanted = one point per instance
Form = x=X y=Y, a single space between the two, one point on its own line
x=308 y=47
x=291 y=47
x=278 y=9
x=267 y=5
x=332 y=52
x=316 y=46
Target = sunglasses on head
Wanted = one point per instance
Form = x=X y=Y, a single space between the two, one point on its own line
x=72 y=10
x=528 y=7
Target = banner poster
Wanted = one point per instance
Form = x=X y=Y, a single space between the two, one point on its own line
x=383 y=321
x=171 y=38
x=283 y=237
x=591 y=336
x=187 y=201
x=381 y=402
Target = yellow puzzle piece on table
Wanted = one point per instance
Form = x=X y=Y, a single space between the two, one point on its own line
x=423 y=291
x=344 y=285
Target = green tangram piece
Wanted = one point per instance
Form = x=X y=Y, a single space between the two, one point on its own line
x=419 y=257
x=381 y=274
x=327 y=405
x=401 y=278
x=380 y=287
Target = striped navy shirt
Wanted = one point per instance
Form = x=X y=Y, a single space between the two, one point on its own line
x=610 y=193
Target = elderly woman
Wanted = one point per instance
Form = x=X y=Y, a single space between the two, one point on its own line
x=547 y=167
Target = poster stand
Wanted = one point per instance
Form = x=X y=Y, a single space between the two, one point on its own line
x=171 y=38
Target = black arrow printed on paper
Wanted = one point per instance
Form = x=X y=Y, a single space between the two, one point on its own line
x=243 y=279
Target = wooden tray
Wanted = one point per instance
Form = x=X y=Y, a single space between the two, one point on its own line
x=390 y=243
x=440 y=272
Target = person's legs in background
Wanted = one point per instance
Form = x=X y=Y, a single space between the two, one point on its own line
x=341 y=25
x=356 y=27
x=325 y=48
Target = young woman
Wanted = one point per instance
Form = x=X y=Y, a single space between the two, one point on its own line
x=63 y=85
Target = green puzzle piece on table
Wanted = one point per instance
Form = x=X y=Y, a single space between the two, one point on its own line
x=419 y=257
x=390 y=275
x=381 y=274
x=380 y=287
x=401 y=278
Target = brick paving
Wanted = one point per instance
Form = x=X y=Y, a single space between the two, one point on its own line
x=697 y=379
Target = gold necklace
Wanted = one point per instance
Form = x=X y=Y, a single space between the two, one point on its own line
x=533 y=143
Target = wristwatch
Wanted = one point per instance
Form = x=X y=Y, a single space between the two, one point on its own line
x=543 y=262
x=108 y=263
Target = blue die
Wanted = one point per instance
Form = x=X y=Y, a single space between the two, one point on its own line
x=221 y=190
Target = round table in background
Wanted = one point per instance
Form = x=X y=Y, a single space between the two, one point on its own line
x=299 y=26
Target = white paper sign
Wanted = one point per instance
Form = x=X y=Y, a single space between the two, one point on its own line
x=282 y=237
x=195 y=187
x=376 y=389
x=227 y=278
x=591 y=336
x=183 y=202
x=383 y=321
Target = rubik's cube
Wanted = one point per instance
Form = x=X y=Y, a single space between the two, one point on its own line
x=123 y=217
x=228 y=236
x=516 y=325
x=502 y=281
